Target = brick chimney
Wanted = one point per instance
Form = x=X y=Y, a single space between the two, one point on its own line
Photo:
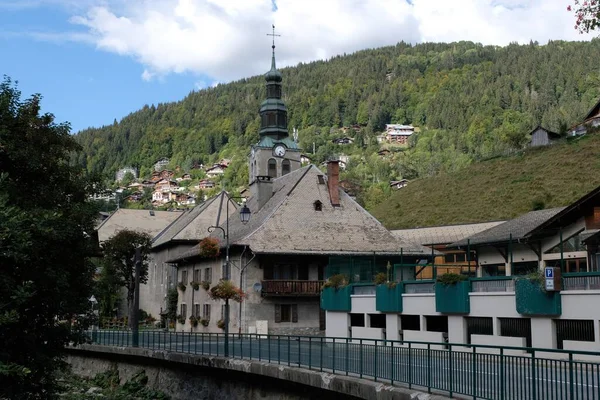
x=333 y=182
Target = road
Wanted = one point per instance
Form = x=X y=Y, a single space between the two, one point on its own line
x=487 y=376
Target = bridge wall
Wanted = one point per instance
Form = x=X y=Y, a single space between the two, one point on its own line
x=186 y=376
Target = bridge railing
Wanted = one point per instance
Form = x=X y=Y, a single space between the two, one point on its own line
x=476 y=371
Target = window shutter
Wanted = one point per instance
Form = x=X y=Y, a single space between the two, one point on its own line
x=294 y=312
x=277 y=312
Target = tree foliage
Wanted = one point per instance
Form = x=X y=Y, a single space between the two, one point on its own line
x=587 y=15
x=45 y=222
x=119 y=253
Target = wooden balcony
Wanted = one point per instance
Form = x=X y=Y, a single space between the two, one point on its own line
x=291 y=288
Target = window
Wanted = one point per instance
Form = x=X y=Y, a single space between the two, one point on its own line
x=272 y=171
x=516 y=327
x=286 y=312
x=449 y=258
x=271 y=118
x=377 y=320
x=410 y=322
x=208 y=275
x=196 y=312
x=357 y=319
x=285 y=167
x=574 y=329
x=223 y=312
x=320 y=179
x=318 y=205
x=524 y=268
x=184 y=277
x=494 y=270
x=435 y=323
x=571 y=244
x=196 y=275
x=479 y=326
x=184 y=310
x=206 y=312
x=460 y=257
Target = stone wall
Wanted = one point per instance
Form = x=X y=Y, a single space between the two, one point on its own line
x=186 y=376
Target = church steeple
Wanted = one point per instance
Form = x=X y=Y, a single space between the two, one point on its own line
x=273 y=112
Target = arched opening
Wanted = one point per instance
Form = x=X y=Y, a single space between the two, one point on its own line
x=272 y=170
x=285 y=167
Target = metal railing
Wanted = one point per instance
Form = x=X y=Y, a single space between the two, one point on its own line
x=291 y=288
x=581 y=281
x=477 y=371
x=419 y=287
x=495 y=284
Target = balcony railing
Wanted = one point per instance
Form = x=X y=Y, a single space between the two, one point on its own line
x=581 y=281
x=291 y=288
x=493 y=284
x=419 y=287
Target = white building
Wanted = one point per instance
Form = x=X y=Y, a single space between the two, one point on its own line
x=502 y=306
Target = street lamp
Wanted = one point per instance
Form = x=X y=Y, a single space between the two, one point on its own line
x=245 y=214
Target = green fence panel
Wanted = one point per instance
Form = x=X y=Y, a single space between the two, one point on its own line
x=533 y=300
x=333 y=299
x=389 y=299
x=453 y=299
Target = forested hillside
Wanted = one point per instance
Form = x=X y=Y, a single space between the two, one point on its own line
x=470 y=102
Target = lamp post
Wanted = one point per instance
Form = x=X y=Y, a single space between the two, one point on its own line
x=244 y=218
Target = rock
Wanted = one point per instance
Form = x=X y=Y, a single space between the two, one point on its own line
x=93 y=390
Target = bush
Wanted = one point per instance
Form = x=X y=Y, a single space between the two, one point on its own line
x=204 y=322
x=181 y=286
x=450 y=279
x=195 y=285
x=209 y=248
x=193 y=321
x=181 y=319
x=205 y=285
x=226 y=290
x=172 y=297
x=380 y=278
x=336 y=281
x=221 y=324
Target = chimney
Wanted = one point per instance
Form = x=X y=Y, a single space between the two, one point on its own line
x=333 y=182
x=262 y=190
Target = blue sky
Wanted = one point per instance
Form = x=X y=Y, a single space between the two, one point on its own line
x=97 y=60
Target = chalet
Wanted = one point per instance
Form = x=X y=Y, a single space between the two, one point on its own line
x=397 y=133
x=204 y=184
x=591 y=120
x=397 y=185
x=343 y=140
x=184 y=199
x=148 y=183
x=135 y=186
x=184 y=177
x=135 y=197
x=216 y=170
x=161 y=164
x=540 y=136
x=161 y=197
x=162 y=174
x=165 y=185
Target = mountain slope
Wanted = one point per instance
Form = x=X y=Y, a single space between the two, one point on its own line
x=498 y=189
x=470 y=101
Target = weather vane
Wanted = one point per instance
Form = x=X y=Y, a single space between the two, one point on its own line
x=273 y=34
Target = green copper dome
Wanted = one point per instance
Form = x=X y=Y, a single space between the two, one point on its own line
x=273 y=112
x=273 y=75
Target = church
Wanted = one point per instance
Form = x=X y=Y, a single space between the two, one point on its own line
x=302 y=228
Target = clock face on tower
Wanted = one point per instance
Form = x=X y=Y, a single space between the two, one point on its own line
x=279 y=151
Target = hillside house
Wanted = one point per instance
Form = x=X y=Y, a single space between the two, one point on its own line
x=184 y=177
x=397 y=133
x=540 y=136
x=397 y=185
x=165 y=185
x=204 y=184
x=591 y=120
x=162 y=174
x=216 y=170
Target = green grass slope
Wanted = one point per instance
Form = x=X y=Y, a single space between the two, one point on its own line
x=498 y=189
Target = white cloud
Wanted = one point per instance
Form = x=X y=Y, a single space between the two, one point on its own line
x=226 y=39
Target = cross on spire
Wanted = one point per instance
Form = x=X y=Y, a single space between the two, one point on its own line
x=273 y=35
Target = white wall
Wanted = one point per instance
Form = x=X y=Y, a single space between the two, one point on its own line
x=363 y=304
x=493 y=340
x=421 y=336
x=419 y=304
x=359 y=332
x=337 y=324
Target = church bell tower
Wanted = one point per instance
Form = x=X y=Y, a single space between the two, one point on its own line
x=276 y=154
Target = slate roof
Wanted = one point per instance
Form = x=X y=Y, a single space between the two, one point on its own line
x=193 y=224
x=138 y=220
x=443 y=234
x=519 y=227
x=289 y=224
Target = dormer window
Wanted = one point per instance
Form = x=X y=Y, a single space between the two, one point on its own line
x=318 y=205
x=320 y=179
